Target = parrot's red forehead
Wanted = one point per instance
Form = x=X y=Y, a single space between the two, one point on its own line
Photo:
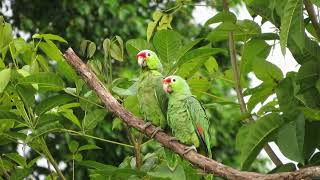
x=142 y=54
x=167 y=80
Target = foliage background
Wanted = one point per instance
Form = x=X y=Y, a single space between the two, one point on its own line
x=77 y=110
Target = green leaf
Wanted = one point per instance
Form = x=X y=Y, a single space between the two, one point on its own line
x=27 y=94
x=167 y=43
x=261 y=93
x=163 y=171
x=196 y=54
x=242 y=30
x=106 y=46
x=150 y=29
x=88 y=147
x=51 y=50
x=254 y=50
x=291 y=17
x=224 y=16
x=67 y=71
x=4 y=79
x=7 y=115
x=33 y=161
x=91 y=49
x=52 y=102
x=318 y=85
x=46 y=81
x=68 y=113
x=115 y=52
x=185 y=48
x=133 y=46
x=199 y=84
x=311 y=114
x=290 y=139
x=50 y=37
x=252 y=137
x=92 y=118
x=17 y=158
x=211 y=65
x=73 y=146
x=43 y=130
x=132 y=90
x=266 y=71
x=132 y=105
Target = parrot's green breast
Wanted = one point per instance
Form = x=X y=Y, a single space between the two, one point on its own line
x=180 y=122
x=152 y=98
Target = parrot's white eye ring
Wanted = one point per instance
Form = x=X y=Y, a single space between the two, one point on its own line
x=173 y=80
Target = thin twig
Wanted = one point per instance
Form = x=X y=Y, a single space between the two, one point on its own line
x=312 y=14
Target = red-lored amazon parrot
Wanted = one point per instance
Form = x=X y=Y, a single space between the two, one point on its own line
x=151 y=97
x=186 y=116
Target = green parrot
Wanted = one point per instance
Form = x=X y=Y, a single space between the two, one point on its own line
x=186 y=116
x=151 y=97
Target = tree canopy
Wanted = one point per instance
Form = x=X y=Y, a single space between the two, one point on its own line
x=49 y=111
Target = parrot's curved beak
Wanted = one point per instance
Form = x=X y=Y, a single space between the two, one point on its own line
x=142 y=59
x=166 y=85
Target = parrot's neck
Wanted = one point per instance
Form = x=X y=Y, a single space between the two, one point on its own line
x=181 y=94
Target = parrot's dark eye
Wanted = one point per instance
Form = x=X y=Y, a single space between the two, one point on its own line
x=148 y=54
x=173 y=80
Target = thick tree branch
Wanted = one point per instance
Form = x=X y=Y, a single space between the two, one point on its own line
x=313 y=17
x=236 y=76
x=206 y=164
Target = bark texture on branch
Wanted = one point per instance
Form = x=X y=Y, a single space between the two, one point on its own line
x=206 y=164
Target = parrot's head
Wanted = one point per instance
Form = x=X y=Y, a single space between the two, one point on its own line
x=149 y=60
x=175 y=85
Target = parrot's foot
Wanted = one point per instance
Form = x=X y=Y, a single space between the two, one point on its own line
x=173 y=139
x=188 y=149
x=156 y=130
x=147 y=124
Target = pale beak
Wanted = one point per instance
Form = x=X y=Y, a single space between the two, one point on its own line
x=141 y=62
x=166 y=88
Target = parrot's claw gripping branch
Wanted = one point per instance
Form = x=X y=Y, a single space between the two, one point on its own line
x=146 y=125
x=210 y=165
x=173 y=139
x=188 y=149
x=155 y=131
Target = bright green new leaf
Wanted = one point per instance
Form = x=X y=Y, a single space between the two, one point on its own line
x=106 y=46
x=150 y=29
x=51 y=50
x=4 y=79
x=211 y=65
x=116 y=52
x=311 y=114
x=68 y=113
x=50 y=37
x=252 y=137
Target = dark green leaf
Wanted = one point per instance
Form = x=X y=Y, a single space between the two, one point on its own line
x=92 y=118
x=52 y=102
x=45 y=81
x=17 y=158
x=284 y=168
x=266 y=71
x=88 y=147
x=50 y=37
x=291 y=18
x=91 y=49
x=251 y=138
x=73 y=146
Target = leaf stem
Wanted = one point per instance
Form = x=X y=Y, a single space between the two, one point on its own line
x=76 y=133
x=309 y=7
x=236 y=76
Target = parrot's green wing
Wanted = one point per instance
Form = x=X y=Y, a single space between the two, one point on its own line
x=161 y=96
x=200 y=122
x=150 y=98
